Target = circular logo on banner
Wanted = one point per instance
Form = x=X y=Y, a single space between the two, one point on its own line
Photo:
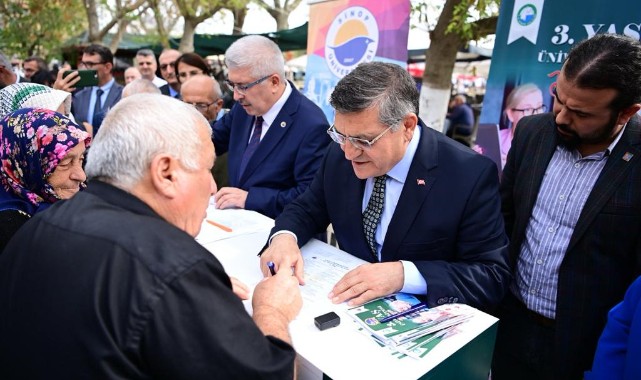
x=526 y=15
x=352 y=38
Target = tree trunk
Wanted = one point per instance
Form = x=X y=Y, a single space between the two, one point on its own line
x=92 y=18
x=163 y=35
x=115 y=41
x=187 y=41
x=439 y=65
x=239 y=20
x=282 y=21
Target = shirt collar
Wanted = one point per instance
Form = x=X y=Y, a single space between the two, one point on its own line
x=270 y=115
x=616 y=140
x=107 y=86
x=400 y=170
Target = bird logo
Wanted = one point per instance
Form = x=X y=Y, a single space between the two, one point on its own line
x=352 y=38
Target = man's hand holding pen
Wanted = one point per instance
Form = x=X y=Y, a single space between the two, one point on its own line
x=283 y=252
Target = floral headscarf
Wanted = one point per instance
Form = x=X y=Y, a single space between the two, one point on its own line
x=32 y=143
x=32 y=95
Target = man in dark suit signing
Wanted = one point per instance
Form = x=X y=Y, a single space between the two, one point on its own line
x=92 y=103
x=572 y=207
x=275 y=136
x=423 y=209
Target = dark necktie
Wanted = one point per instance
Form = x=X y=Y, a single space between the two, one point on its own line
x=253 y=144
x=98 y=108
x=372 y=214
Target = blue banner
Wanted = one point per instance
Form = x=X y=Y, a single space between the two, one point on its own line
x=533 y=38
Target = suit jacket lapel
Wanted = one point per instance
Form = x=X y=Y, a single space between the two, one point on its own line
x=625 y=154
x=81 y=104
x=238 y=150
x=113 y=96
x=274 y=134
x=353 y=212
x=420 y=179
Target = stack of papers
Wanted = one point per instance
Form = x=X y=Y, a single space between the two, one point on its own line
x=413 y=333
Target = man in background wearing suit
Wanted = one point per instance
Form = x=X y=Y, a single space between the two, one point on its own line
x=275 y=136
x=423 y=209
x=572 y=209
x=167 y=60
x=91 y=103
x=146 y=64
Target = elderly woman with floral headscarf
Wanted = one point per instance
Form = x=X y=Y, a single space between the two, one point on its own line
x=41 y=154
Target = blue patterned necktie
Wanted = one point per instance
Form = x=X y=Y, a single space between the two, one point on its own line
x=372 y=214
x=253 y=144
x=98 y=108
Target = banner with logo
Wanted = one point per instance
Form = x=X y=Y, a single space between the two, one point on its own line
x=533 y=38
x=344 y=33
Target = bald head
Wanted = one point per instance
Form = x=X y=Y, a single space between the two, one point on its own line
x=140 y=86
x=203 y=92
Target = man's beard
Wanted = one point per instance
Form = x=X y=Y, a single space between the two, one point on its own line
x=572 y=141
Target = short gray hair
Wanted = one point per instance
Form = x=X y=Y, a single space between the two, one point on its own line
x=146 y=53
x=377 y=84
x=139 y=128
x=260 y=54
x=140 y=86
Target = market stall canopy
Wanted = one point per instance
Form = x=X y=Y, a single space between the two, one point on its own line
x=212 y=44
x=204 y=44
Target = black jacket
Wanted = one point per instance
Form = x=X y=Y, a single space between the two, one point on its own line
x=100 y=287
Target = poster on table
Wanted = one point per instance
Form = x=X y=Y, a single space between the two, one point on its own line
x=533 y=38
x=344 y=33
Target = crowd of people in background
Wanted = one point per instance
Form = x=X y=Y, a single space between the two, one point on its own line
x=101 y=276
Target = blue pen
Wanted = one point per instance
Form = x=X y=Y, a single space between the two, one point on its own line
x=418 y=307
x=272 y=267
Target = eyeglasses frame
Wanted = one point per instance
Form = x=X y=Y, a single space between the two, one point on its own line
x=357 y=143
x=243 y=88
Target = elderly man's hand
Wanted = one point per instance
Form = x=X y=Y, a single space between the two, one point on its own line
x=285 y=254
x=367 y=282
x=230 y=197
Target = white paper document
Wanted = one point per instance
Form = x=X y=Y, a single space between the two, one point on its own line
x=324 y=266
x=226 y=224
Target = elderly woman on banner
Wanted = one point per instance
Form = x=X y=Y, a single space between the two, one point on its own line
x=41 y=153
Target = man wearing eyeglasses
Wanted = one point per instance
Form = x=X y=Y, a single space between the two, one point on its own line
x=204 y=94
x=420 y=207
x=167 y=60
x=275 y=136
x=90 y=104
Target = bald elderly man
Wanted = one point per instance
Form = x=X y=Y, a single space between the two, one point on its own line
x=203 y=93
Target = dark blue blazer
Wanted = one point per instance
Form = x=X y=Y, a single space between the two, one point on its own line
x=80 y=103
x=447 y=220
x=287 y=157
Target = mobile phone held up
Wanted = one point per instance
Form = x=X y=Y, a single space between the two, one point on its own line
x=87 y=77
